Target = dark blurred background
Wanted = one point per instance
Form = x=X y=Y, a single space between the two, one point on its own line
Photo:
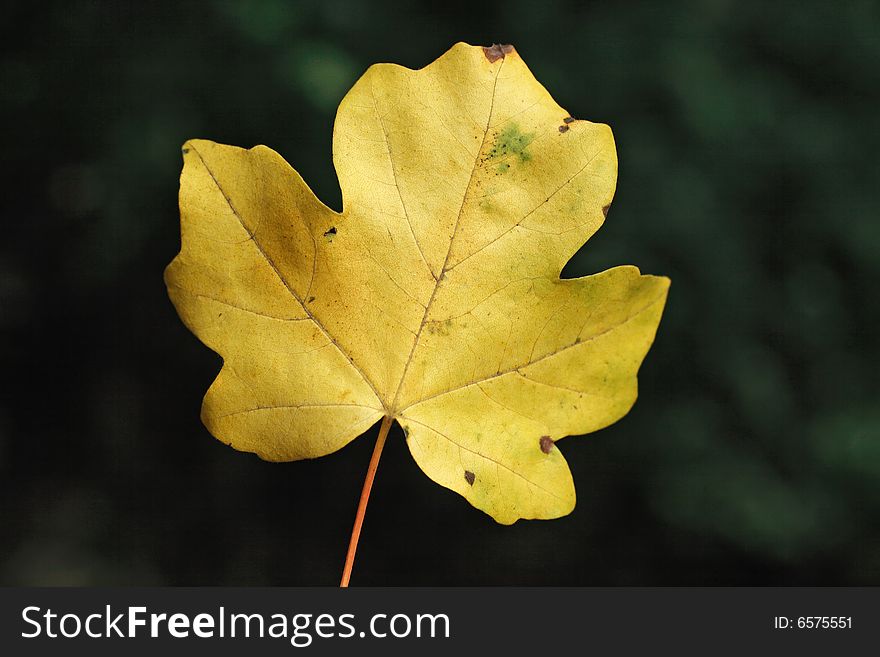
x=748 y=136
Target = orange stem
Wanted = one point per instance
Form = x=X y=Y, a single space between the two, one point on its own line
x=365 y=497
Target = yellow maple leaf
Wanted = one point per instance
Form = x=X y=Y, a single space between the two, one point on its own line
x=433 y=298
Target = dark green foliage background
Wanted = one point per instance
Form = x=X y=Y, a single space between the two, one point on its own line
x=748 y=135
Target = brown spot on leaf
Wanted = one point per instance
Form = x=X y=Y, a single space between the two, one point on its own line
x=469 y=477
x=497 y=51
x=569 y=119
x=563 y=128
x=546 y=444
x=310 y=299
x=605 y=210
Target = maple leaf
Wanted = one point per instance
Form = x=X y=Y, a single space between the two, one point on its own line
x=433 y=298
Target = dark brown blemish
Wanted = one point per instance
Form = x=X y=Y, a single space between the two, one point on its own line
x=470 y=477
x=330 y=232
x=497 y=51
x=310 y=299
x=566 y=121
x=605 y=210
x=546 y=444
x=184 y=150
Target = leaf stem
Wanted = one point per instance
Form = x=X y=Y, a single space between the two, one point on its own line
x=365 y=497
